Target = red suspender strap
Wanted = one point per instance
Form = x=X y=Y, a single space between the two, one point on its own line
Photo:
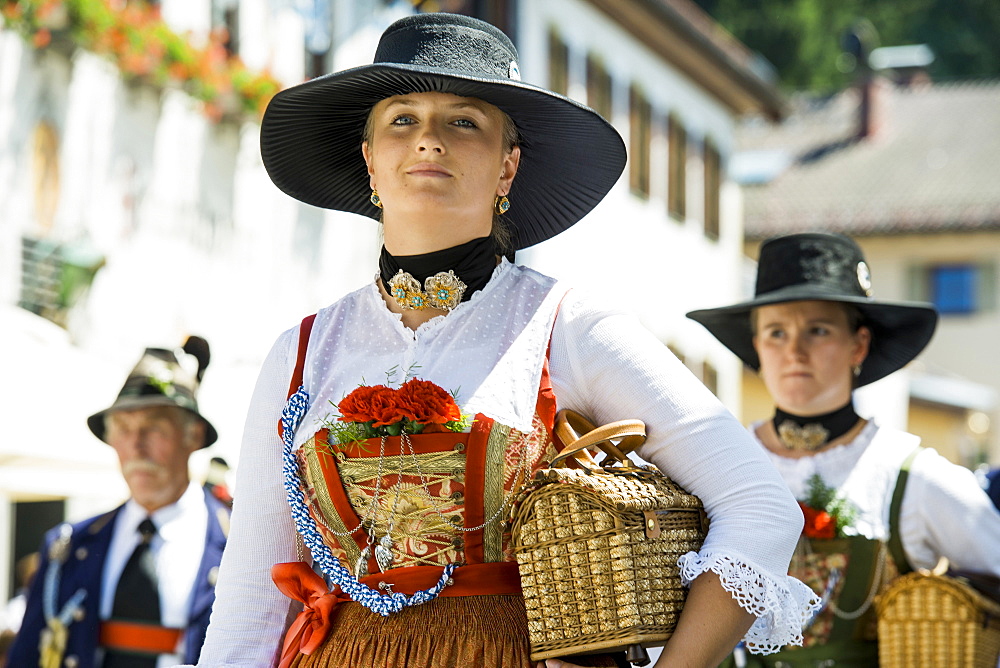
x=300 y=362
x=305 y=327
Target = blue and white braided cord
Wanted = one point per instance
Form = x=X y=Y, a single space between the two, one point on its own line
x=383 y=604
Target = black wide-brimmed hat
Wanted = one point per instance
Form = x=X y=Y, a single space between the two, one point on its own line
x=163 y=377
x=311 y=134
x=825 y=267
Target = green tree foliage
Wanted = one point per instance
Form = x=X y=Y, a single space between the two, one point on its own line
x=803 y=38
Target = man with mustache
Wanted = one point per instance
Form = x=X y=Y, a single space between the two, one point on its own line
x=134 y=587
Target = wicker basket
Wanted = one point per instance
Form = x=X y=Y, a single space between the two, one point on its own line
x=929 y=619
x=597 y=550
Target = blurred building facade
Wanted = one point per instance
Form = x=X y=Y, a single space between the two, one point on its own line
x=669 y=237
x=136 y=211
x=912 y=176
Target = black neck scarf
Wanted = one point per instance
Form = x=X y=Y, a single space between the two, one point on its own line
x=812 y=433
x=473 y=262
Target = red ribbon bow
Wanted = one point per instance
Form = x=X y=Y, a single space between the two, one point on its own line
x=298 y=581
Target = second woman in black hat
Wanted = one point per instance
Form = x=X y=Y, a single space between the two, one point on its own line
x=814 y=332
x=413 y=409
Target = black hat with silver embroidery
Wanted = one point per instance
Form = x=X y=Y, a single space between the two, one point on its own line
x=311 y=134
x=824 y=267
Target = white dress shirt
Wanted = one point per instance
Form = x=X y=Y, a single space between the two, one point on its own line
x=177 y=550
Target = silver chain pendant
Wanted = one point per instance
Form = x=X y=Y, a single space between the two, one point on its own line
x=383 y=553
x=361 y=565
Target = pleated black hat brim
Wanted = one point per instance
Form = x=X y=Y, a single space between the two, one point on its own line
x=900 y=330
x=311 y=139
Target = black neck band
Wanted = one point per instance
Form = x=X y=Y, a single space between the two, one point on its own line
x=831 y=425
x=473 y=262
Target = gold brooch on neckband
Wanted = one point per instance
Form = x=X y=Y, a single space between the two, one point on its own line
x=809 y=437
x=443 y=291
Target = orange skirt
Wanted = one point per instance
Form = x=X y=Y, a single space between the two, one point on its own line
x=466 y=631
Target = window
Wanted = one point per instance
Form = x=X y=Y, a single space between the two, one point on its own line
x=318 y=38
x=639 y=135
x=676 y=168
x=956 y=288
x=29 y=521
x=56 y=276
x=558 y=64
x=713 y=185
x=710 y=377
x=231 y=19
x=953 y=288
x=317 y=64
x=598 y=88
x=226 y=20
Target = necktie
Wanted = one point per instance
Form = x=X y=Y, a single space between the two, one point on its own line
x=137 y=598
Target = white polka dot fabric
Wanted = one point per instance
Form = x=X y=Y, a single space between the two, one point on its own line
x=488 y=351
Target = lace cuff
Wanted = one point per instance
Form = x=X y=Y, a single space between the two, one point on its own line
x=782 y=607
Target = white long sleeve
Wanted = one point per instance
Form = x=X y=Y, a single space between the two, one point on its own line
x=604 y=365
x=250 y=614
x=946 y=513
x=609 y=367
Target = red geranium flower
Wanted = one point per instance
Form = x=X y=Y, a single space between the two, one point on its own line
x=427 y=403
x=818 y=523
x=371 y=403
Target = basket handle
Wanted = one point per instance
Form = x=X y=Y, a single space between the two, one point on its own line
x=578 y=434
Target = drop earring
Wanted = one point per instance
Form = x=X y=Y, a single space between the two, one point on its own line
x=501 y=204
x=375 y=199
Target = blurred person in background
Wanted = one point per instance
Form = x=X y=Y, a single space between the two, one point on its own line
x=993 y=486
x=216 y=480
x=134 y=587
x=876 y=503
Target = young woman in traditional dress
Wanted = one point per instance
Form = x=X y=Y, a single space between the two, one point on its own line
x=876 y=503
x=463 y=163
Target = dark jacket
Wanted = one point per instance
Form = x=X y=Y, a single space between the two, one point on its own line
x=84 y=568
x=993 y=486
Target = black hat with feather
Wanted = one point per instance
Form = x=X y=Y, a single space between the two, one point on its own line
x=163 y=377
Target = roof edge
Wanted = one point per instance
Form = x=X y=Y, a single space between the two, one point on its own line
x=725 y=66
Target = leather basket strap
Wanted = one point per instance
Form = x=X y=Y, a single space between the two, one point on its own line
x=615 y=439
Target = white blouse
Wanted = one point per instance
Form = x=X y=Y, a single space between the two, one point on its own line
x=490 y=351
x=944 y=511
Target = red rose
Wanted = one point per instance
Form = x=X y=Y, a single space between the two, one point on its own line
x=427 y=403
x=377 y=404
x=818 y=523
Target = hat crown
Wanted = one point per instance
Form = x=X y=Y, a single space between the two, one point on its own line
x=162 y=372
x=829 y=265
x=449 y=41
x=163 y=377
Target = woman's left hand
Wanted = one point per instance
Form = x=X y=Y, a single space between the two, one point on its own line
x=556 y=663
